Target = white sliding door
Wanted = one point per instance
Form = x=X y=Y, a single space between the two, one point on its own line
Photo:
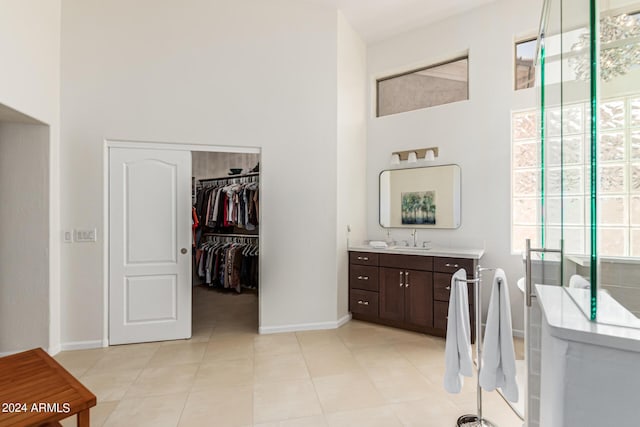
x=149 y=245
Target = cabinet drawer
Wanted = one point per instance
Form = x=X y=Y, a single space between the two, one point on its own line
x=363 y=258
x=364 y=302
x=412 y=262
x=440 y=313
x=451 y=265
x=363 y=277
x=441 y=286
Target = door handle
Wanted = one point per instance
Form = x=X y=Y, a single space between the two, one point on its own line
x=183 y=251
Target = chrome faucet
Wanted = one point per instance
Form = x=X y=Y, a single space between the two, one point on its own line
x=414 y=234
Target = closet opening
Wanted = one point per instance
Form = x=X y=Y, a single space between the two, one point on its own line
x=24 y=227
x=225 y=247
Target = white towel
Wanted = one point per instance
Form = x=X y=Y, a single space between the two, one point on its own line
x=498 y=355
x=577 y=281
x=458 y=346
x=378 y=244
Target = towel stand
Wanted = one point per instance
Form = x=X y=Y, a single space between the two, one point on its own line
x=470 y=419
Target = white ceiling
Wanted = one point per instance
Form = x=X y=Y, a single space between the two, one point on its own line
x=376 y=20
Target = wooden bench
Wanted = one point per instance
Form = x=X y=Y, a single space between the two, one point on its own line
x=35 y=390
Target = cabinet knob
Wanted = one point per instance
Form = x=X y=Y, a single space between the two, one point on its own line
x=451 y=265
x=363 y=258
x=363 y=302
x=401 y=277
x=448 y=288
x=406 y=280
x=363 y=277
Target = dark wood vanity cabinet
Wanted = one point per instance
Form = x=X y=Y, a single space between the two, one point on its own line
x=404 y=296
x=405 y=291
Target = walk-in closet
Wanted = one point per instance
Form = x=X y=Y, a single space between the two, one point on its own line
x=226 y=226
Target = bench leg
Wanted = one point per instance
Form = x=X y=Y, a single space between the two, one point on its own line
x=83 y=418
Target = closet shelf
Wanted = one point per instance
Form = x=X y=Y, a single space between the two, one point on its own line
x=251 y=236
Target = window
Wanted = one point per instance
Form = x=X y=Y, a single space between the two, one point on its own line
x=618 y=176
x=525 y=70
x=426 y=87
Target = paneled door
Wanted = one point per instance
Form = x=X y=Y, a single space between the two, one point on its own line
x=391 y=305
x=418 y=293
x=149 y=245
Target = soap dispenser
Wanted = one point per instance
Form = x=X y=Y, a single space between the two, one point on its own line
x=389 y=240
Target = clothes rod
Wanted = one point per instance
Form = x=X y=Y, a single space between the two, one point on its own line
x=248 y=175
x=250 y=236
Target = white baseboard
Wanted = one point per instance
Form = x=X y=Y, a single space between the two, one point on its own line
x=305 y=326
x=54 y=349
x=81 y=345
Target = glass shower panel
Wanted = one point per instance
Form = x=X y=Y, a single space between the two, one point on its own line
x=552 y=129
x=618 y=156
x=589 y=58
x=548 y=268
x=577 y=130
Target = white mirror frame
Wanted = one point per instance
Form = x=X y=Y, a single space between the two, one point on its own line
x=436 y=190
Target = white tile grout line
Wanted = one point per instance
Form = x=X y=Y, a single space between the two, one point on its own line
x=313 y=384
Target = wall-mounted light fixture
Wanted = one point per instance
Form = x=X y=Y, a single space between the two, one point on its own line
x=412 y=156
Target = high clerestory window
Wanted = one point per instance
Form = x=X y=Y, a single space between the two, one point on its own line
x=525 y=70
x=436 y=84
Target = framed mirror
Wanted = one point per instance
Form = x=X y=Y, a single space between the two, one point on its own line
x=426 y=197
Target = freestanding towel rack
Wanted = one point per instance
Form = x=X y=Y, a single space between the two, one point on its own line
x=477 y=420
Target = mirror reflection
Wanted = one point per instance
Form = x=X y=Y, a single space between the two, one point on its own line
x=427 y=197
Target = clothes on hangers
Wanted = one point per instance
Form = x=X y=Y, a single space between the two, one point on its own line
x=194 y=225
x=227 y=204
x=226 y=264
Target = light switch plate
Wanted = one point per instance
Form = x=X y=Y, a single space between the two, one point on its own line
x=85 y=235
x=67 y=236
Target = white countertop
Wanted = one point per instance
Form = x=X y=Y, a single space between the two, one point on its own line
x=567 y=321
x=435 y=251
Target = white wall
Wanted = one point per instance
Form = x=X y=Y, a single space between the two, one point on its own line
x=226 y=72
x=24 y=227
x=352 y=149
x=30 y=83
x=474 y=134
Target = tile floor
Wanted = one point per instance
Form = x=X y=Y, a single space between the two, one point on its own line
x=228 y=375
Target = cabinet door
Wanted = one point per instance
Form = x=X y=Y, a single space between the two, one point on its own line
x=391 y=304
x=418 y=297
